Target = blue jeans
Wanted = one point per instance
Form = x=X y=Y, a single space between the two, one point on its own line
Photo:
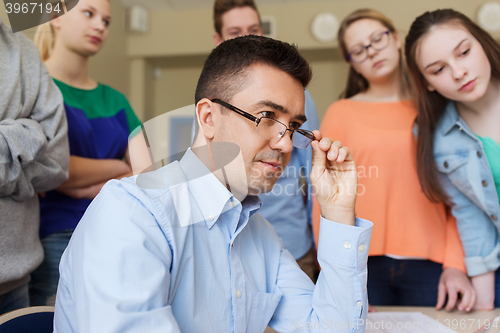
x=14 y=299
x=402 y=282
x=44 y=280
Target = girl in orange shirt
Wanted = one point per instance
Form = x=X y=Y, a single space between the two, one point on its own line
x=416 y=257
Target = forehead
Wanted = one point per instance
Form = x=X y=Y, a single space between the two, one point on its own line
x=240 y=17
x=266 y=83
x=101 y=5
x=440 y=42
x=360 y=30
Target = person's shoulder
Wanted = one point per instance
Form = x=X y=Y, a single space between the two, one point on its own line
x=18 y=42
x=338 y=111
x=112 y=92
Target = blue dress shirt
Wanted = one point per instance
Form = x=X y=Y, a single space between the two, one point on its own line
x=173 y=251
x=288 y=206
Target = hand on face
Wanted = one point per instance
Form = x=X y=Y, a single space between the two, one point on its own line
x=334 y=179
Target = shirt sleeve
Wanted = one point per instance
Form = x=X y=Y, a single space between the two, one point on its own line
x=339 y=301
x=115 y=273
x=479 y=236
x=134 y=124
x=34 y=149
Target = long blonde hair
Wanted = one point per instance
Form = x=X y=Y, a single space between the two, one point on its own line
x=44 y=40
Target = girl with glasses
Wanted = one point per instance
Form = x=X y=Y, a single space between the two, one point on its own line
x=456 y=69
x=416 y=257
x=100 y=122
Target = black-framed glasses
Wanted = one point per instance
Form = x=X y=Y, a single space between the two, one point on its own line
x=378 y=42
x=272 y=129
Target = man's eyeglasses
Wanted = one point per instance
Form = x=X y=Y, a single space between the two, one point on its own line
x=272 y=129
x=378 y=42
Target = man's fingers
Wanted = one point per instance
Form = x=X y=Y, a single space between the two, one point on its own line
x=318 y=156
x=441 y=296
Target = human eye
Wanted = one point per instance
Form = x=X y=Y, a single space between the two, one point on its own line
x=106 y=22
x=377 y=38
x=465 y=52
x=87 y=13
x=357 y=51
x=268 y=114
x=295 y=125
x=439 y=70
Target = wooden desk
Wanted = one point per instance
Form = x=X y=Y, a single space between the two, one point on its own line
x=469 y=319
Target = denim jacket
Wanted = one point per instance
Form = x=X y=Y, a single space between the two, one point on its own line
x=466 y=177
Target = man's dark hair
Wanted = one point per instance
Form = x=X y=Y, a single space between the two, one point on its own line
x=223 y=6
x=224 y=71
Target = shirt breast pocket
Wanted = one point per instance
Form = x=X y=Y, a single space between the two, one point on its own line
x=263 y=307
x=454 y=166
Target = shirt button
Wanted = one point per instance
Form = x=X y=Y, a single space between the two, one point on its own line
x=460 y=128
x=361 y=248
x=238 y=293
x=347 y=245
x=479 y=154
x=211 y=217
x=445 y=164
x=233 y=204
x=485 y=183
x=494 y=217
x=359 y=304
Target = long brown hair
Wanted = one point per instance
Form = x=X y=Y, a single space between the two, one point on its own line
x=356 y=83
x=431 y=105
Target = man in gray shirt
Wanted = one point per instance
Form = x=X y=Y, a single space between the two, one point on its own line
x=34 y=158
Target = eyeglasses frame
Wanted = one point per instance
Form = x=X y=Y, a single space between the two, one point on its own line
x=366 y=47
x=304 y=132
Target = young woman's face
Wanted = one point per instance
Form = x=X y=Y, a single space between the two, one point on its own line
x=84 y=29
x=382 y=57
x=454 y=63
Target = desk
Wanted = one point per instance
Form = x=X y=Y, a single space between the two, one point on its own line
x=470 y=319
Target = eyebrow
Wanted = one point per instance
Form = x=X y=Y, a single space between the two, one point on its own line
x=240 y=28
x=456 y=47
x=279 y=108
x=370 y=37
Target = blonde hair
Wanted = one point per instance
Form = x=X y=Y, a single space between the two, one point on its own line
x=44 y=40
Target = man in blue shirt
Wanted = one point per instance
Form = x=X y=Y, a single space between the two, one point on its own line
x=288 y=206
x=183 y=248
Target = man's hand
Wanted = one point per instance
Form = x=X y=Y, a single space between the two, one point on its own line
x=334 y=179
x=454 y=282
x=484 y=285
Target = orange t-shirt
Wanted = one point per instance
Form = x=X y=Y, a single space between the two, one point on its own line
x=405 y=222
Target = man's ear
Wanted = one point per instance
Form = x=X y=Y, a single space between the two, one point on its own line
x=217 y=39
x=205 y=117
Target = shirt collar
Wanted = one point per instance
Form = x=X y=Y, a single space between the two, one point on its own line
x=450 y=118
x=208 y=192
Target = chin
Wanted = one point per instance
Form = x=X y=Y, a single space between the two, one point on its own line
x=263 y=187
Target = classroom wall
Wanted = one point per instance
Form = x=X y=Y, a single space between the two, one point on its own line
x=179 y=41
